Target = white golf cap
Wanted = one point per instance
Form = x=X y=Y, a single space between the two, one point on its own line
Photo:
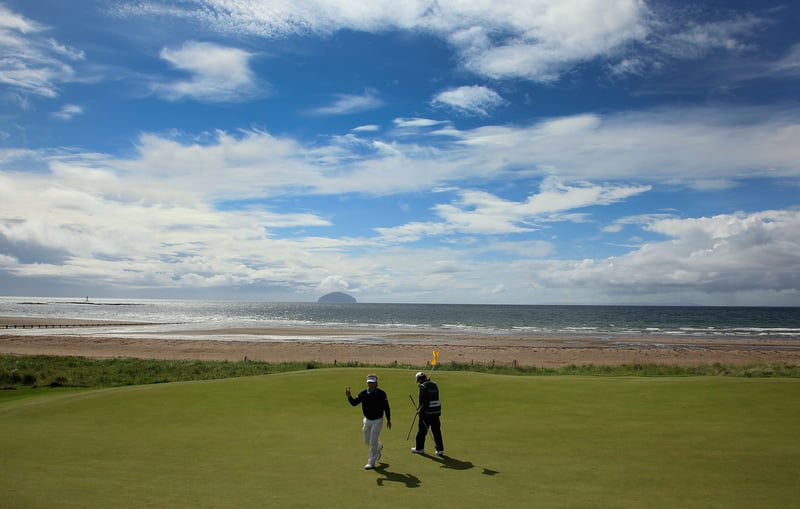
x=372 y=378
x=420 y=375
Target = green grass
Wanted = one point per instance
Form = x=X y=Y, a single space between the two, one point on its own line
x=38 y=371
x=31 y=371
x=292 y=440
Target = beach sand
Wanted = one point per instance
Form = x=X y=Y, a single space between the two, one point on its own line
x=403 y=346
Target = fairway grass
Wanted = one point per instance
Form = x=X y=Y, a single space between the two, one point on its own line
x=292 y=440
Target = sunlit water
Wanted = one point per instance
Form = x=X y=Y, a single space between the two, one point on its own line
x=171 y=318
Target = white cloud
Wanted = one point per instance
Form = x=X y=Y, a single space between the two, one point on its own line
x=18 y=156
x=482 y=213
x=412 y=232
x=696 y=147
x=134 y=240
x=519 y=39
x=11 y=22
x=144 y=238
x=738 y=253
x=472 y=100
x=32 y=63
x=416 y=122
x=639 y=221
x=683 y=147
x=218 y=73
x=737 y=259
x=346 y=104
x=789 y=64
x=160 y=220
x=369 y=128
x=516 y=39
x=417 y=126
x=334 y=283
x=68 y=111
x=695 y=40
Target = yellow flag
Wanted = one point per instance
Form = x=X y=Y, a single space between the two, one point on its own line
x=435 y=358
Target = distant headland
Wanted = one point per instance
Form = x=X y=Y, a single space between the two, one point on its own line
x=337 y=297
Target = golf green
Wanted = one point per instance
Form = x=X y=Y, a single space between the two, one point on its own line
x=292 y=440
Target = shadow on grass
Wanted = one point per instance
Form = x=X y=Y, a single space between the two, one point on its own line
x=409 y=480
x=455 y=464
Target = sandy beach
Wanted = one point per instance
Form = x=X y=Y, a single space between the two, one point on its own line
x=404 y=347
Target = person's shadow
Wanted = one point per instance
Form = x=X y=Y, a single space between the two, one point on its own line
x=449 y=462
x=455 y=464
x=409 y=480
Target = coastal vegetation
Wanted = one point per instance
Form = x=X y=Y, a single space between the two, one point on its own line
x=47 y=371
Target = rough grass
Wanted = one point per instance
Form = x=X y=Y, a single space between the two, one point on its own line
x=65 y=371
x=291 y=440
x=18 y=372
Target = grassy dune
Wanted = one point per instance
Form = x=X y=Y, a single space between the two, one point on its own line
x=292 y=440
x=42 y=371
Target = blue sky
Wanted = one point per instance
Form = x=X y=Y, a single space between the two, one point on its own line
x=519 y=152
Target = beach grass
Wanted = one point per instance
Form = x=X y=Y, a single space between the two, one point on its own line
x=291 y=440
x=49 y=371
x=29 y=371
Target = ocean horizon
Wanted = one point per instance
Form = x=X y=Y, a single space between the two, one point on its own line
x=169 y=316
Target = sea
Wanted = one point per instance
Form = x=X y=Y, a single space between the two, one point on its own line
x=171 y=319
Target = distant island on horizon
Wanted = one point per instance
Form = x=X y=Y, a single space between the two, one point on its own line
x=337 y=297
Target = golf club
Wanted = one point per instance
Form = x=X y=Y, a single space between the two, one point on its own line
x=412 y=426
x=414 y=419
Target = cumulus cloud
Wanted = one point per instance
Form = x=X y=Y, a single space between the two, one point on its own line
x=536 y=41
x=729 y=259
x=232 y=210
x=162 y=218
x=218 y=73
x=334 y=283
x=696 y=148
x=704 y=147
x=482 y=213
x=92 y=231
x=729 y=256
x=472 y=100
x=135 y=240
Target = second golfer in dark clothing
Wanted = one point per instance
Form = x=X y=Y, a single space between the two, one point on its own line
x=429 y=411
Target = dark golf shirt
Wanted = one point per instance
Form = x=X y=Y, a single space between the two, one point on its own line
x=373 y=404
x=429 y=398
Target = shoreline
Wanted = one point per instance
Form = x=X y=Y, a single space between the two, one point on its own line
x=382 y=347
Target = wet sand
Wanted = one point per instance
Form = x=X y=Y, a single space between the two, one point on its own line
x=414 y=347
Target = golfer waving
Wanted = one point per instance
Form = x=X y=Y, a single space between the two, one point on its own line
x=374 y=403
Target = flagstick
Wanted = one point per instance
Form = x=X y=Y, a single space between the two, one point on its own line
x=435 y=361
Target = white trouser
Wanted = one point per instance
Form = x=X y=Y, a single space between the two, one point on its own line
x=372 y=430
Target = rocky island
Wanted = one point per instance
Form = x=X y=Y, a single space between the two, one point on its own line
x=337 y=297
